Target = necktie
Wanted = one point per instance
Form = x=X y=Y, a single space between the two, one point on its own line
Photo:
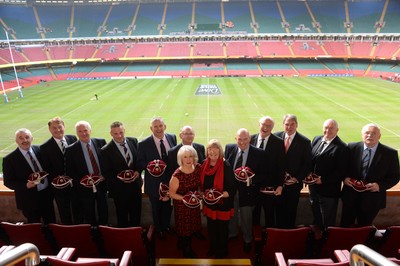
x=62 y=146
x=287 y=143
x=239 y=161
x=261 y=144
x=163 y=151
x=321 y=147
x=127 y=156
x=95 y=167
x=365 y=162
x=44 y=183
x=33 y=161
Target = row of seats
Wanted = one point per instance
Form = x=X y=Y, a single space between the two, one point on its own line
x=310 y=243
x=135 y=243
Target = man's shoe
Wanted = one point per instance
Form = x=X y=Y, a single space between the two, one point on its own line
x=247 y=247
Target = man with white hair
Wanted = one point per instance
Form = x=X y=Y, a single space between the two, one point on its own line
x=33 y=197
x=373 y=169
x=83 y=159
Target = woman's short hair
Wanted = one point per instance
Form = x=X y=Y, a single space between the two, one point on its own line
x=187 y=148
x=214 y=143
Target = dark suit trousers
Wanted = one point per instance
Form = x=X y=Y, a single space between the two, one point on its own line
x=287 y=207
x=63 y=200
x=356 y=208
x=128 y=208
x=162 y=212
x=324 y=209
x=45 y=209
x=90 y=203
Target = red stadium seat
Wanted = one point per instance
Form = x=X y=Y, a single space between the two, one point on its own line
x=337 y=238
x=117 y=240
x=293 y=243
x=391 y=242
x=81 y=237
x=33 y=233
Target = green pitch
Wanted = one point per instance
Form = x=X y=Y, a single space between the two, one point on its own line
x=353 y=102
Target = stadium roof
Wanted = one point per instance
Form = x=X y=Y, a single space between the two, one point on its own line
x=116 y=2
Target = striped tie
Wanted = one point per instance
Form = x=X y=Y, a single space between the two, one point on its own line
x=62 y=142
x=365 y=162
x=127 y=156
x=33 y=161
x=96 y=170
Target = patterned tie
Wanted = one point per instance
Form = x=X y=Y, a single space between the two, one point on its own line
x=62 y=142
x=287 y=143
x=365 y=162
x=239 y=161
x=33 y=161
x=163 y=151
x=261 y=144
x=321 y=147
x=96 y=170
x=127 y=156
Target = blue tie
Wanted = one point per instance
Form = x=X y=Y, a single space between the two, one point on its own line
x=365 y=162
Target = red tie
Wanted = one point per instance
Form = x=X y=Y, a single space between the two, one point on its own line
x=287 y=144
x=95 y=167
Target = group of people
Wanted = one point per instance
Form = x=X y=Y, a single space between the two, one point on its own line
x=231 y=187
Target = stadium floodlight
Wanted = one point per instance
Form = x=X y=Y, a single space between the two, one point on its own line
x=13 y=64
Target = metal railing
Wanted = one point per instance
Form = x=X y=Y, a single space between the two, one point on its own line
x=28 y=252
x=363 y=255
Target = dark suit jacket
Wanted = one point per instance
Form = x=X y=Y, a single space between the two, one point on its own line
x=114 y=162
x=384 y=170
x=275 y=159
x=148 y=152
x=53 y=158
x=256 y=161
x=298 y=157
x=16 y=171
x=77 y=168
x=173 y=152
x=331 y=165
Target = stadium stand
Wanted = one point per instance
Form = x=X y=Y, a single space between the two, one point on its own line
x=147 y=35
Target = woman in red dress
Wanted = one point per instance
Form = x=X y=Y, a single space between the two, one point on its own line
x=183 y=189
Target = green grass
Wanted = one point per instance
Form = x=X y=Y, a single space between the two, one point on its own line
x=353 y=102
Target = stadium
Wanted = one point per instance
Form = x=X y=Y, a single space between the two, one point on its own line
x=215 y=65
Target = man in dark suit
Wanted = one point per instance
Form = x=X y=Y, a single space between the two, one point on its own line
x=83 y=160
x=53 y=151
x=119 y=155
x=156 y=147
x=375 y=164
x=297 y=167
x=32 y=198
x=275 y=158
x=187 y=135
x=329 y=162
x=238 y=155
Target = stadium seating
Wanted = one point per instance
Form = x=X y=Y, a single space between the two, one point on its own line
x=86 y=244
x=293 y=243
x=34 y=233
x=117 y=240
x=344 y=238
